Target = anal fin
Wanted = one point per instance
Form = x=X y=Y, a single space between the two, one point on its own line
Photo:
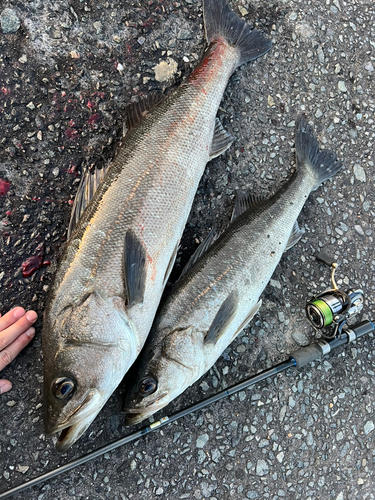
x=221 y=140
x=134 y=260
x=294 y=237
x=248 y=318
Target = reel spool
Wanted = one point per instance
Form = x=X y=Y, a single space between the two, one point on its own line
x=333 y=306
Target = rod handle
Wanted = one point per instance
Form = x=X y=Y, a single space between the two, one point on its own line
x=306 y=355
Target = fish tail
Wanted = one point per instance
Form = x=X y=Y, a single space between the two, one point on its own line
x=321 y=165
x=220 y=20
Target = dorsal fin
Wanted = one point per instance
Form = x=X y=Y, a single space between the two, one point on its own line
x=245 y=201
x=222 y=319
x=201 y=249
x=221 y=140
x=86 y=189
x=294 y=237
x=136 y=111
x=134 y=260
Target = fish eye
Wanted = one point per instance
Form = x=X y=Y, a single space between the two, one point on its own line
x=63 y=387
x=147 y=386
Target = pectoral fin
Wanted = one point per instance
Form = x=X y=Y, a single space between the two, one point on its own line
x=223 y=318
x=134 y=261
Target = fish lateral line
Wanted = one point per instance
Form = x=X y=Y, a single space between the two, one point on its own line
x=207 y=289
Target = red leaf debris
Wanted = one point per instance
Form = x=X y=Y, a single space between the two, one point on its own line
x=35 y=262
x=93 y=119
x=71 y=133
x=4 y=187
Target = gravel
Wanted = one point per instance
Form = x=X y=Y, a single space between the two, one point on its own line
x=67 y=72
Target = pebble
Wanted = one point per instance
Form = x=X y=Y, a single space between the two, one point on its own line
x=300 y=338
x=369 y=427
x=342 y=87
x=359 y=230
x=9 y=21
x=22 y=468
x=262 y=468
x=184 y=35
x=359 y=173
x=275 y=284
x=202 y=440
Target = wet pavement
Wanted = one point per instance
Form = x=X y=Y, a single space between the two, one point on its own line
x=67 y=71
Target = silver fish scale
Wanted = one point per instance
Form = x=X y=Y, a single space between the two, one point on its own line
x=148 y=188
x=241 y=261
x=238 y=265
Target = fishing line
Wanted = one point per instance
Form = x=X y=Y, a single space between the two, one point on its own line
x=297 y=359
x=330 y=309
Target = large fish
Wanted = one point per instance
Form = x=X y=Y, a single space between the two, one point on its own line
x=125 y=232
x=218 y=293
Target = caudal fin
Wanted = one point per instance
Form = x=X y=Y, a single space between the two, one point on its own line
x=220 y=20
x=322 y=165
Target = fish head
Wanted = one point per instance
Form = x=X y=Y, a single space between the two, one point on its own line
x=163 y=371
x=85 y=358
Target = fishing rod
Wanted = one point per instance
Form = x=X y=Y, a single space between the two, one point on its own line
x=330 y=308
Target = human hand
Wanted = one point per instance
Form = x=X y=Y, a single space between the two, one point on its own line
x=15 y=333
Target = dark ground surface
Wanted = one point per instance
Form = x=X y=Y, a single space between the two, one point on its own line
x=67 y=70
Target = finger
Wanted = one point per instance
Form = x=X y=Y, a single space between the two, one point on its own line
x=5 y=386
x=8 y=335
x=11 y=317
x=7 y=355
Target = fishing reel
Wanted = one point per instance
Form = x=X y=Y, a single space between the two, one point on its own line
x=334 y=306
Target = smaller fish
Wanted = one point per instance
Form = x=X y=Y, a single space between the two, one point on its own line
x=218 y=293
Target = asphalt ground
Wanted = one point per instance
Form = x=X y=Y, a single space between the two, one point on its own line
x=67 y=71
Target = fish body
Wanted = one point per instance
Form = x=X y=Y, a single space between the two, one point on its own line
x=219 y=294
x=122 y=246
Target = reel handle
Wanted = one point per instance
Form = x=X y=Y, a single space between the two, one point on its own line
x=326 y=259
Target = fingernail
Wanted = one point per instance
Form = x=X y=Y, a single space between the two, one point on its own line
x=30 y=332
x=31 y=316
x=19 y=312
x=5 y=386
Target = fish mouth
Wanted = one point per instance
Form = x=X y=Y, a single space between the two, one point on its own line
x=77 y=422
x=72 y=433
x=137 y=415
